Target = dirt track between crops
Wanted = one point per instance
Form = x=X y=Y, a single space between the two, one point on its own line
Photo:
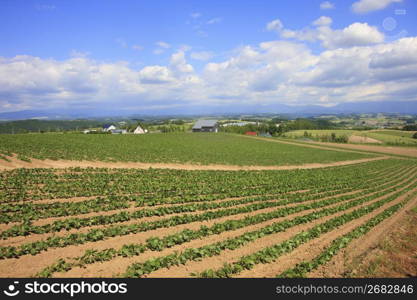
x=29 y=265
x=337 y=267
x=59 y=164
x=229 y=256
x=312 y=249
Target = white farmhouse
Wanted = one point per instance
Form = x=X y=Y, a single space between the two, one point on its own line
x=108 y=127
x=139 y=130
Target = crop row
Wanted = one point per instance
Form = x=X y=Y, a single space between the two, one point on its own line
x=67 y=224
x=270 y=254
x=119 y=230
x=21 y=184
x=26 y=229
x=31 y=211
x=139 y=269
x=303 y=268
x=186 y=235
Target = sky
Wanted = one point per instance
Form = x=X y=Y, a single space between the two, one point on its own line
x=163 y=55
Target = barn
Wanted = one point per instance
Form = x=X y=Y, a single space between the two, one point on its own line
x=206 y=126
x=108 y=127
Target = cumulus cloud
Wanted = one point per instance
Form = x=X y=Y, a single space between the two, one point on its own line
x=326 y=5
x=365 y=6
x=355 y=66
x=179 y=64
x=356 y=34
x=155 y=75
x=323 y=21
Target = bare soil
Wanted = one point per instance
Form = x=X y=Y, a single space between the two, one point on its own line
x=412 y=152
x=363 y=139
x=312 y=249
x=36 y=163
x=229 y=256
x=388 y=250
x=29 y=265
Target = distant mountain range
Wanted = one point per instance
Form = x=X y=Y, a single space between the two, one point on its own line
x=404 y=107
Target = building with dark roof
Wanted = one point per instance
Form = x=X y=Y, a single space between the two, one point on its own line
x=206 y=126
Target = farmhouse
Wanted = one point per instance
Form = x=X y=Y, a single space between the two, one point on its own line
x=108 y=127
x=206 y=126
x=139 y=130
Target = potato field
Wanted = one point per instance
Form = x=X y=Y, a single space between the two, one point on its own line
x=102 y=222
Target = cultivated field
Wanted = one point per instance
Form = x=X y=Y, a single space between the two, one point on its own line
x=382 y=137
x=190 y=148
x=129 y=222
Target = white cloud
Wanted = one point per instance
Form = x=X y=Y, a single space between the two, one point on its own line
x=179 y=64
x=400 y=53
x=365 y=6
x=155 y=75
x=356 y=66
x=326 y=5
x=275 y=25
x=323 y=21
x=162 y=46
x=356 y=34
x=201 y=55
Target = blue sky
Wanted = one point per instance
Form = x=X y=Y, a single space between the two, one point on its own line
x=166 y=54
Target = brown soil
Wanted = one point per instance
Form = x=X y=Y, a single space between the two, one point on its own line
x=229 y=256
x=119 y=265
x=36 y=163
x=28 y=266
x=182 y=271
x=363 y=139
x=308 y=145
x=412 y=152
x=312 y=249
x=388 y=250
